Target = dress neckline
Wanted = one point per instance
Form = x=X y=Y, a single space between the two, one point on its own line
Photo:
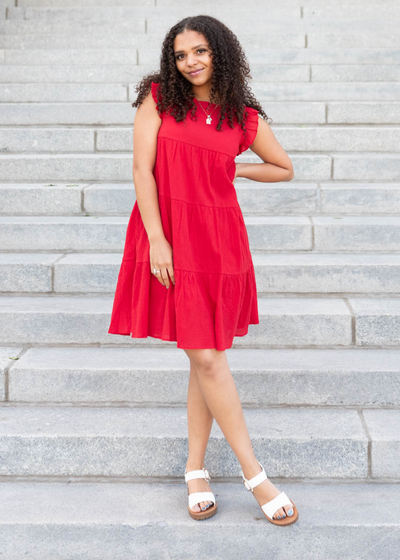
x=198 y=101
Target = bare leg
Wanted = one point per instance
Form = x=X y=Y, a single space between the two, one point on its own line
x=222 y=398
x=200 y=422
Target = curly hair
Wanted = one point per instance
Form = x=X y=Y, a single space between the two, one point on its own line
x=228 y=83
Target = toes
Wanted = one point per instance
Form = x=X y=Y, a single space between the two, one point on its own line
x=203 y=506
x=289 y=510
x=196 y=508
x=206 y=504
x=279 y=514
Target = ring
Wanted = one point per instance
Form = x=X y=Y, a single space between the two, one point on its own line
x=155 y=271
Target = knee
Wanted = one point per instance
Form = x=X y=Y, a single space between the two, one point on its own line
x=207 y=362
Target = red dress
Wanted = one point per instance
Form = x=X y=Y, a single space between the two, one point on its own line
x=215 y=294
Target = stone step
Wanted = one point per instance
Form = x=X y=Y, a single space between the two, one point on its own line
x=117 y=441
x=377 y=104
x=284 y=322
x=150 y=521
x=82 y=441
x=137 y=26
x=315 y=34
x=62 y=139
x=332 y=73
x=96 y=3
x=266 y=233
x=293 y=322
x=312 y=113
x=21 y=140
x=118 y=14
x=98 y=39
x=343 y=234
x=208 y=3
x=344 y=29
x=271 y=56
x=71 y=113
x=313 y=273
x=20 y=199
x=117 y=166
x=139 y=376
x=33 y=35
x=91 y=233
x=323 y=274
x=307 y=14
x=49 y=93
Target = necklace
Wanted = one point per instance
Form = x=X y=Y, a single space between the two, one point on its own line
x=208 y=119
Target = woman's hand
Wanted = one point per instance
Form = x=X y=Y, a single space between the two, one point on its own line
x=161 y=259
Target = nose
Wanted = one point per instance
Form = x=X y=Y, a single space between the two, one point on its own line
x=191 y=61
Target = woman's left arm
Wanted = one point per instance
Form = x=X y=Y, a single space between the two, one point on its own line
x=277 y=164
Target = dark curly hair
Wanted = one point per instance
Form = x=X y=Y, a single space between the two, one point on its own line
x=229 y=79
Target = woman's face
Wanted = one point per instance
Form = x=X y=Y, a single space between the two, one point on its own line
x=192 y=53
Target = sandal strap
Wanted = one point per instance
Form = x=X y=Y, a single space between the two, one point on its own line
x=256 y=480
x=273 y=505
x=198 y=497
x=200 y=473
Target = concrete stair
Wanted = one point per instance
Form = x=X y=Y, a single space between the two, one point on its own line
x=356 y=378
x=93 y=427
x=147 y=520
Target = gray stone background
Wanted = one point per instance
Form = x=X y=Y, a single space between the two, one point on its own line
x=93 y=434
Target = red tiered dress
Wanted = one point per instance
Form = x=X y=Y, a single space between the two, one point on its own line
x=215 y=294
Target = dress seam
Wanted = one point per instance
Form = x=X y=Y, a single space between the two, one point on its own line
x=197 y=204
x=198 y=271
x=219 y=273
x=196 y=146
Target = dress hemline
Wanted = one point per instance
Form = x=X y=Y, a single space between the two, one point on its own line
x=160 y=337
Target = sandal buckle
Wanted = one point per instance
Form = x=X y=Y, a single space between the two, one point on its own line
x=206 y=473
x=247 y=485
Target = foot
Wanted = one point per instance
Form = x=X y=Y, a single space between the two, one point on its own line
x=199 y=485
x=266 y=491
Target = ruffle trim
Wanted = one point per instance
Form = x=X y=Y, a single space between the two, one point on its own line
x=252 y=127
x=202 y=310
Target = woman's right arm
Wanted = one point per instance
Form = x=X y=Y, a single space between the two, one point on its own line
x=145 y=130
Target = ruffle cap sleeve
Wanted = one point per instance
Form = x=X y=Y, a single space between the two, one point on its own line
x=252 y=127
x=155 y=87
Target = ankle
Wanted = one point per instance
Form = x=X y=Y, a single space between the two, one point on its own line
x=250 y=470
x=194 y=466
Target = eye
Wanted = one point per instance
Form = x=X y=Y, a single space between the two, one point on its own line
x=201 y=50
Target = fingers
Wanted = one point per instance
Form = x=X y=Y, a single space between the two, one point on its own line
x=165 y=275
x=171 y=274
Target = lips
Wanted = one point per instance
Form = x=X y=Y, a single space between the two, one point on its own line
x=196 y=72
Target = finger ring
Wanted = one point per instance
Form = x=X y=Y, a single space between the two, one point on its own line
x=155 y=271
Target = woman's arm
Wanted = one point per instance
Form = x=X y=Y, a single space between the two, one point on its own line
x=146 y=125
x=277 y=167
x=145 y=131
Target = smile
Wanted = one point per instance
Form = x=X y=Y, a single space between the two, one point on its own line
x=196 y=72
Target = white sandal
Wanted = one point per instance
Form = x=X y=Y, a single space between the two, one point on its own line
x=273 y=505
x=197 y=497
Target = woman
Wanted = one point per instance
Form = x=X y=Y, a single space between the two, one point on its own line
x=187 y=273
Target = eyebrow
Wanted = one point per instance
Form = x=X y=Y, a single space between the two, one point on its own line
x=196 y=47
